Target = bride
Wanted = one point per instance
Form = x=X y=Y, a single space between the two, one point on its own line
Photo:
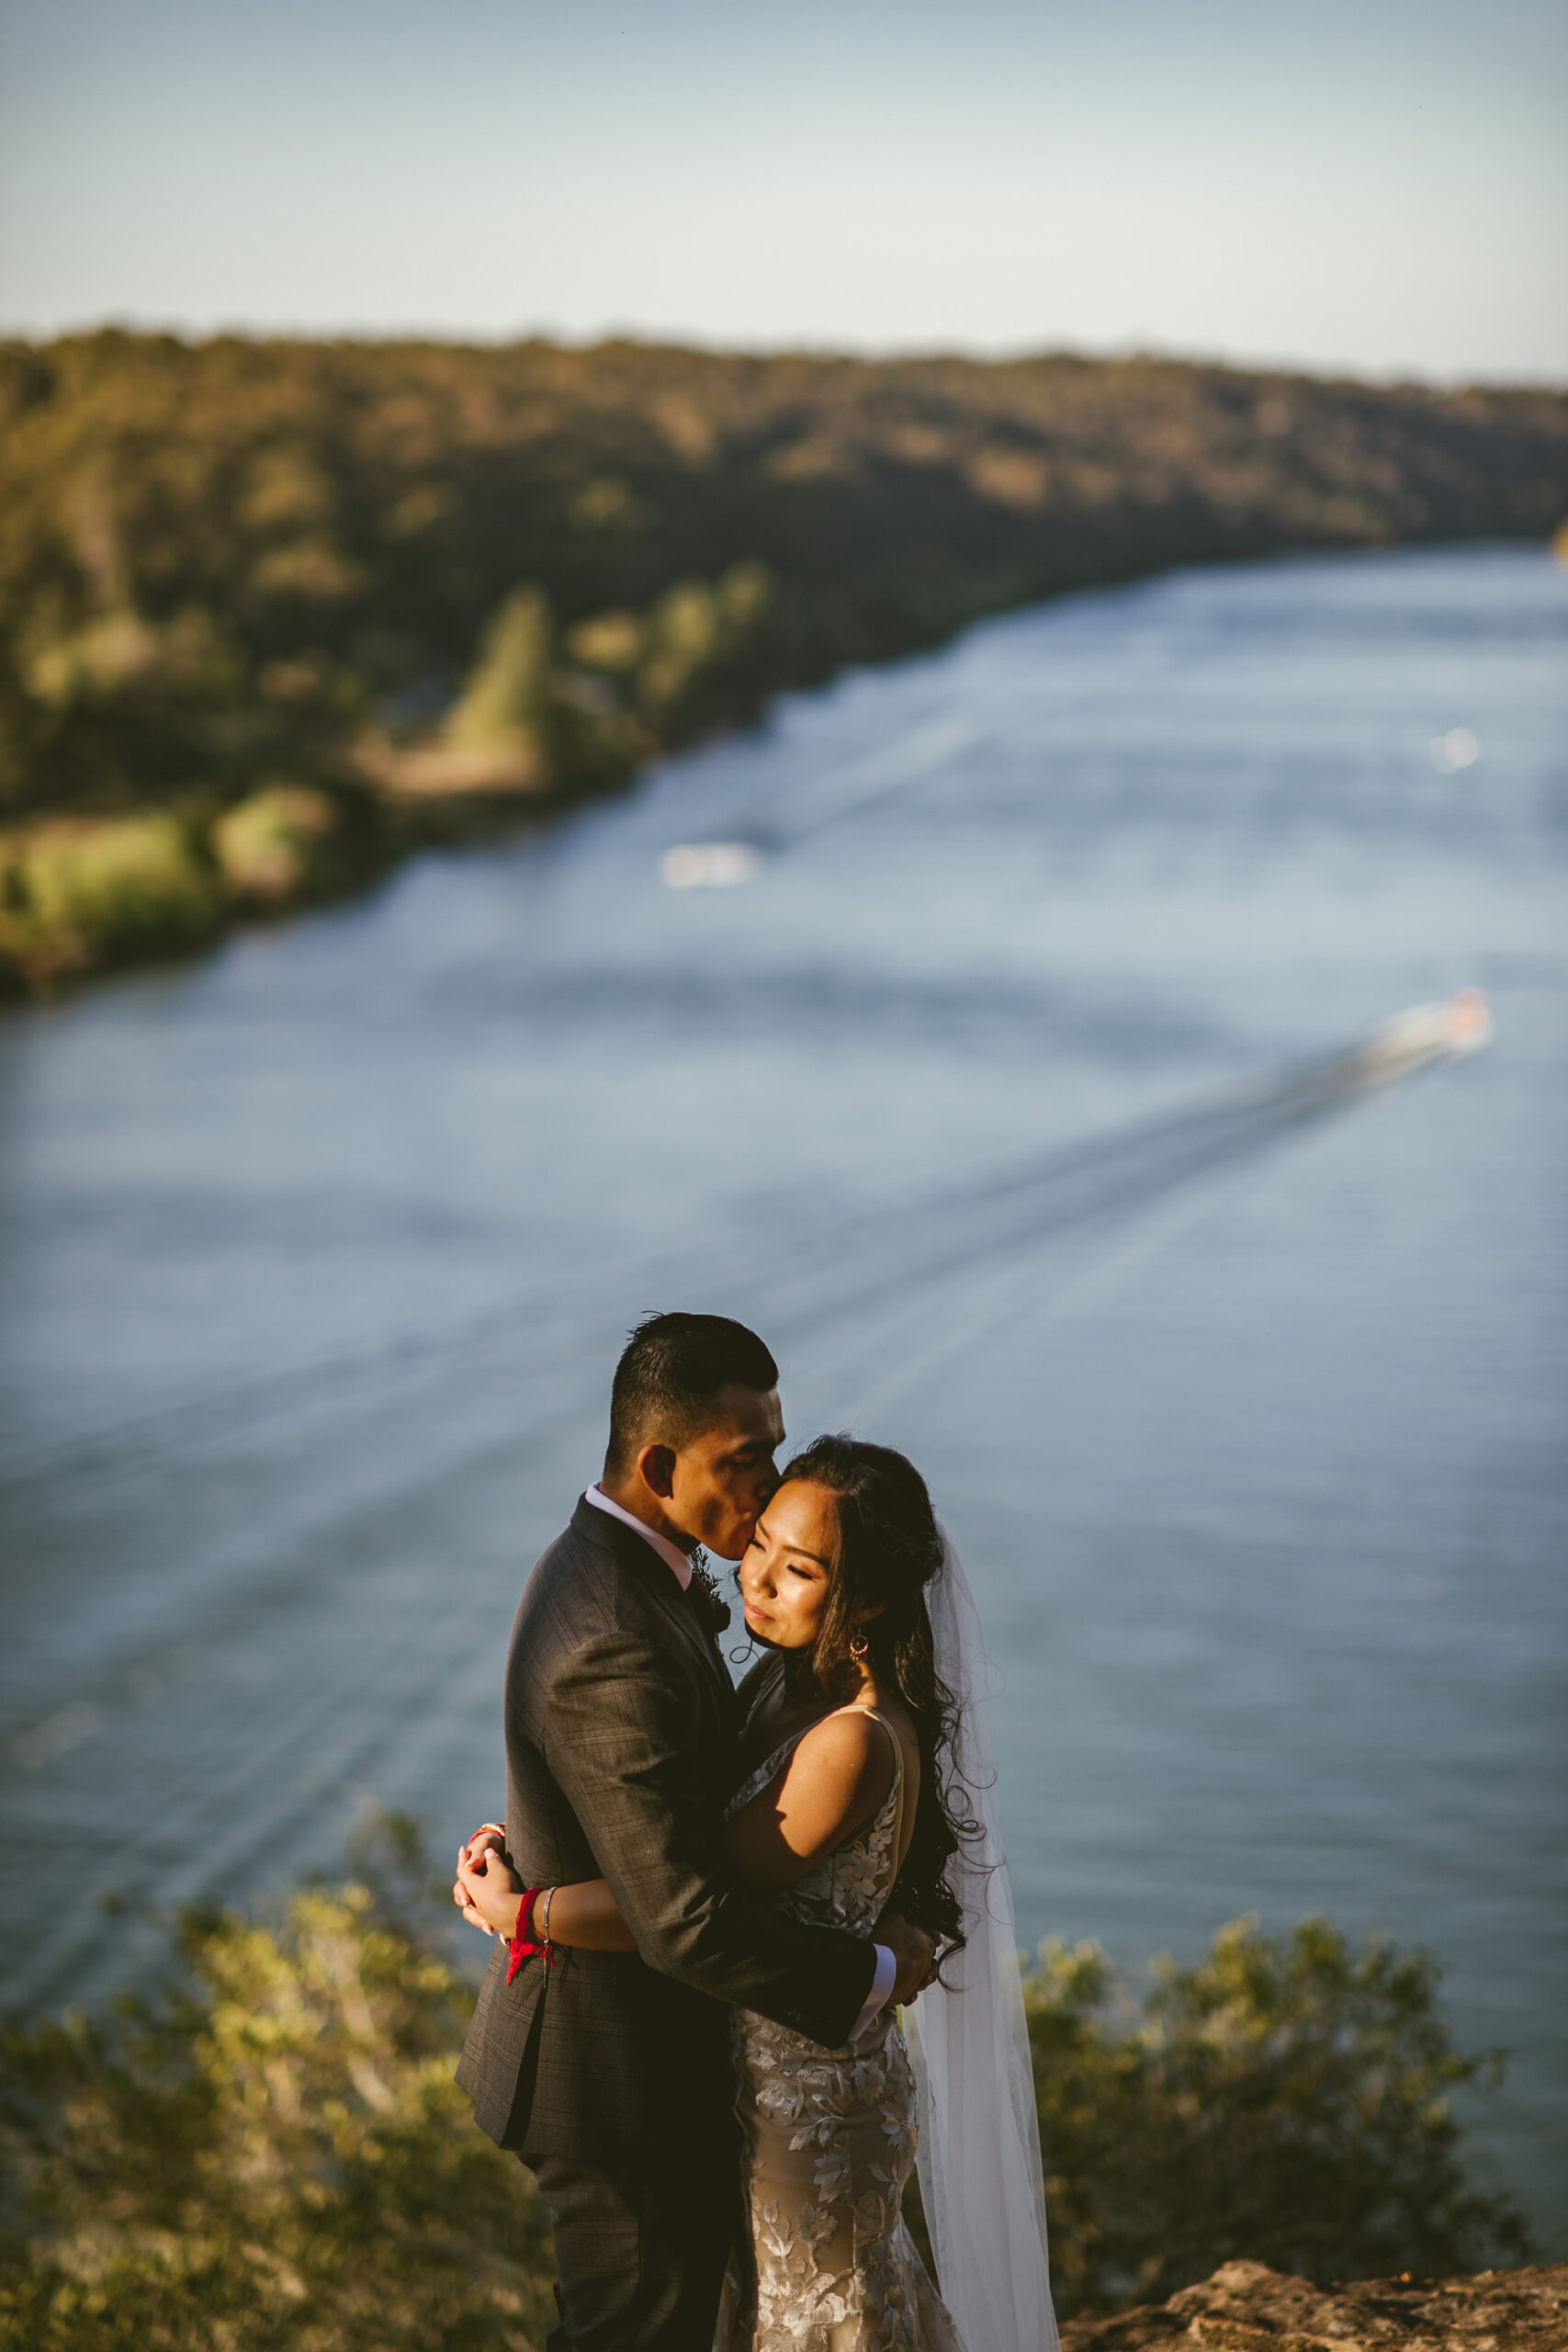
x=868 y=1744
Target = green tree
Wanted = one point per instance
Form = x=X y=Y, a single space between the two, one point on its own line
x=700 y=644
x=505 y=705
x=1283 y=2100
x=82 y=891
x=278 y=2156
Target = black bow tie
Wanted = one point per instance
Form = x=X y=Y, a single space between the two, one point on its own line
x=703 y=1594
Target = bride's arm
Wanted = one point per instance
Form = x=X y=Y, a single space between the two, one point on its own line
x=837 y=1776
x=583 y=1916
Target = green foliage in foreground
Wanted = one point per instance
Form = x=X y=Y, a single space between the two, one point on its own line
x=280 y=2157
x=1282 y=2101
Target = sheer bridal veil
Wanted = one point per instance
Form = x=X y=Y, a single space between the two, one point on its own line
x=979 y=2147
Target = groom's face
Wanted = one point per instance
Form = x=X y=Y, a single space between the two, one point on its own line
x=722 y=1477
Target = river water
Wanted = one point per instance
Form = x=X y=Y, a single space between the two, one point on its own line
x=976 y=1095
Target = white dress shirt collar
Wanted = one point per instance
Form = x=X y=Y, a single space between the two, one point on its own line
x=671 y=1554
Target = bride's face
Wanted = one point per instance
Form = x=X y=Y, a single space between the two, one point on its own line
x=786 y=1572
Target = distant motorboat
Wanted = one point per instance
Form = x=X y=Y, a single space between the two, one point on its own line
x=1460 y=1025
x=709 y=866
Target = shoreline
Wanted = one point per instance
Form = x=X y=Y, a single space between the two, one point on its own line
x=159 y=886
x=275 y=613
x=84 y=897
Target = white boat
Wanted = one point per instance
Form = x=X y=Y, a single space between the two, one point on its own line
x=1460 y=1024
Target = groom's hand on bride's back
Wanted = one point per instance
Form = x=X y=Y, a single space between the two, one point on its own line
x=914 y=1951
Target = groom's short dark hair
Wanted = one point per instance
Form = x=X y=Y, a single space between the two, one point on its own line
x=673 y=1370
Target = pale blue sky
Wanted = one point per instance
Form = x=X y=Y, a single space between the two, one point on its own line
x=1381 y=185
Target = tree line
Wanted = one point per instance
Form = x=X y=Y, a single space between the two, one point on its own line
x=397 y=583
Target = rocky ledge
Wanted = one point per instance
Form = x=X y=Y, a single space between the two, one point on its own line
x=1246 y=2307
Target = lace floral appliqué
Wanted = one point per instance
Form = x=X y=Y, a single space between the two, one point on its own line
x=830 y=2142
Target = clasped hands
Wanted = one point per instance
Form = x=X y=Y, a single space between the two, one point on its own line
x=487 y=1891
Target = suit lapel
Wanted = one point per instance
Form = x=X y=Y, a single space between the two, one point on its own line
x=661 y=1582
x=675 y=1605
x=707 y=1642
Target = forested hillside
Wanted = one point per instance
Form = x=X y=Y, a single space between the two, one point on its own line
x=299 y=597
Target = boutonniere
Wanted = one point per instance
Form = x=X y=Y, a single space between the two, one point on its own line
x=703 y=1583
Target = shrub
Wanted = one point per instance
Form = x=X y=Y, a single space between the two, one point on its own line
x=1283 y=2100
x=277 y=847
x=80 y=893
x=280 y=2157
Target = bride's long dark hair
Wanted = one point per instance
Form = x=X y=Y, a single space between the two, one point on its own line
x=888 y=1549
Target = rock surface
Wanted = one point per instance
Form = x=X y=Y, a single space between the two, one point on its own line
x=1246 y=2307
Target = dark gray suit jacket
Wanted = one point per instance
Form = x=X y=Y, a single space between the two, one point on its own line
x=622 y=1731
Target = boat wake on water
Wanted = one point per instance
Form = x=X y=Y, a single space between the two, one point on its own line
x=842 y=792
x=821 y=1275
x=1012 y=1222
x=876 y=1301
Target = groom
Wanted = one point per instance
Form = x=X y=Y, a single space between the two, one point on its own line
x=609 y=2073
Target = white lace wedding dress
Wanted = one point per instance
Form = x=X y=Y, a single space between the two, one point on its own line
x=829 y=2140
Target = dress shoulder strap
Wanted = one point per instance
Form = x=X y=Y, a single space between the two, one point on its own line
x=901 y=1826
x=898 y=1743
x=779 y=1757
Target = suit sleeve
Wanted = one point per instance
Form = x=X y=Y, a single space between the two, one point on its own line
x=755 y=1681
x=618 y=1739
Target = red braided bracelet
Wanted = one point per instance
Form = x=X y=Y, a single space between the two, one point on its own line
x=523 y=1945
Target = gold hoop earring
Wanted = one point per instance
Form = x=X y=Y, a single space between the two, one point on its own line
x=859 y=1647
